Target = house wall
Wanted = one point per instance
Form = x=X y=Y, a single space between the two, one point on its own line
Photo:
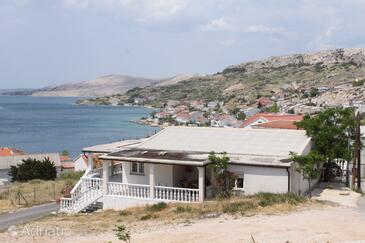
x=307 y=148
x=80 y=164
x=163 y=175
x=4 y=175
x=298 y=184
x=120 y=203
x=262 y=179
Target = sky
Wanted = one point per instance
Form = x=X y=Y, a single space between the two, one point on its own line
x=50 y=42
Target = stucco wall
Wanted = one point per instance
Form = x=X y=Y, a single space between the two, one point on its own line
x=120 y=203
x=163 y=175
x=299 y=185
x=262 y=179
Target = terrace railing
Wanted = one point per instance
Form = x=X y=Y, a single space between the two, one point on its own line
x=89 y=190
x=128 y=190
x=161 y=193
x=176 y=194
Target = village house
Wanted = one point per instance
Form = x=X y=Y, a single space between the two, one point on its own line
x=183 y=117
x=173 y=166
x=264 y=102
x=275 y=120
x=197 y=104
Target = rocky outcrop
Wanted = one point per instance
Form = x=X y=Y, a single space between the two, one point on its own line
x=354 y=56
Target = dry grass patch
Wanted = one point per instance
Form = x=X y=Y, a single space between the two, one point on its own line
x=167 y=213
x=26 y=194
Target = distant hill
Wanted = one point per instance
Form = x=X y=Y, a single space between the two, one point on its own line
x=241 y=84
x=15 y=91
x=102 y=86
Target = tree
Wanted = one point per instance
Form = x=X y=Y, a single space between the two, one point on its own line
x=331 y=130
x=241 y=116
x=274 y=108
x=31 y=169
x=313 y=92
x=223 y=179
x=309 y=166
x=65 y=153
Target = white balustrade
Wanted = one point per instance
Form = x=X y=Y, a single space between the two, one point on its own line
x=128 y=190
x=176 y=194
x=87 y=192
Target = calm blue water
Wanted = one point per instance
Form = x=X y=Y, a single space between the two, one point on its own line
x=44 y=124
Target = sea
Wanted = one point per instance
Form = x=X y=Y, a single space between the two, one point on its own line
x=54 y=124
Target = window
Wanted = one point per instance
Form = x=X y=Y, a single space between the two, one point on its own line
x=137 y=168
x=239 y=183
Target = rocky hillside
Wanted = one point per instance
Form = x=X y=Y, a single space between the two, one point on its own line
x=239 y=85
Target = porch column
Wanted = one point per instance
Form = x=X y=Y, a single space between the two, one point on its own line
x=201 y=183
x=152 y=181
x=90 y=161
x=106 y=165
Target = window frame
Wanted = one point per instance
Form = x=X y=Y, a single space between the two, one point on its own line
x=240 y=176
x=140 y=168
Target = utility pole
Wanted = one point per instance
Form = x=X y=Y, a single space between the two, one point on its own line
x=358 y=150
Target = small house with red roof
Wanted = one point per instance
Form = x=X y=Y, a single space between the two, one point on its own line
x=272 y=120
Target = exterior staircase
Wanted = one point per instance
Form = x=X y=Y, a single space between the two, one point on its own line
x=84 y=196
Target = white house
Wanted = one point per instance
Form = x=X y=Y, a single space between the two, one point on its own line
x=173 y=164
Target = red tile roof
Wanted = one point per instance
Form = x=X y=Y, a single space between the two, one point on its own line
x=65 y=158
x=263 y=101
x=269 y=117
x=5 y=151
x=67 y=165
x=278 y=125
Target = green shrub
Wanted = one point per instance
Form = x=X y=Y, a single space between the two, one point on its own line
x=183 y=209
x=71 y=175
x=31 y=169
x=269 y=199
x=358 y=83
x=157 y=207
x=122 y=233
x=146 y=217
x=241 y=207
x=124 y=213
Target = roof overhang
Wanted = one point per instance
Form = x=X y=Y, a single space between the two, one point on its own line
x=155 y=161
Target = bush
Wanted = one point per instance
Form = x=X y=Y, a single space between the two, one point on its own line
x=31 y=169
x=71 y=175
x=358 y=83
x=157 y=207
x=269 y=199
x=146 y=217
x=183 y=209
x=122 y=233
x=239 y=207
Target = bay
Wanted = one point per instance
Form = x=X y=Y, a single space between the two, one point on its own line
x=54 y=124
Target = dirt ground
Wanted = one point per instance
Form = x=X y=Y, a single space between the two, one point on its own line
x=328 y=223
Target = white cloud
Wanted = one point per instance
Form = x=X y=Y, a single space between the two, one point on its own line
x=140 y=10
x=263 y=29
x=223 y=25
x=219 y=25
x=324 y=38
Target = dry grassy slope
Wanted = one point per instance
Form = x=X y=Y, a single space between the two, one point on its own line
x=239 y=83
